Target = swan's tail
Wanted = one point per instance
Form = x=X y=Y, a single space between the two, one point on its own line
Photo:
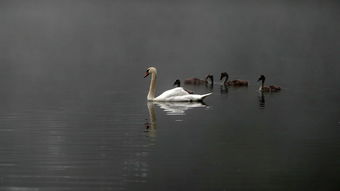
x=205 y=95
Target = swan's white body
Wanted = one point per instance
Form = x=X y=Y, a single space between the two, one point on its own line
x=179 y=94
x=173 y=95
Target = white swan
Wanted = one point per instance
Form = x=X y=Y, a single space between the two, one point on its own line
x=176 y=94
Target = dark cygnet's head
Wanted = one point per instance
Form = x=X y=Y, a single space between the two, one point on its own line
x=224 y=74
x=211 y=77
x=177 y=83
x=261 y=78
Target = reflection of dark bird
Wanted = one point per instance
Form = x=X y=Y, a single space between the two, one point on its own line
x=177 y=83
x=196 y=81
x=266 y=88
x=235 y=83
x=262 y=101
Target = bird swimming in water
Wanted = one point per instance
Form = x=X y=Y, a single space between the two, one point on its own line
x=196 y=81
x=235 y=83
x=270 y=88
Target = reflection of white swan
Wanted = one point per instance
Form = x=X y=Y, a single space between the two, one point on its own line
x=151 y=125
x=178 y=108
x=171 y=108
x=173 y=95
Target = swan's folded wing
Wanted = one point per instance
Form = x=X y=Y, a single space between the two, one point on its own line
x=175 y=92
x=185 y=98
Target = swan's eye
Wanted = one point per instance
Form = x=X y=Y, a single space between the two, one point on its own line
x=147 y=71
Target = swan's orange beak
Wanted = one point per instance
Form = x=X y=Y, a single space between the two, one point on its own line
x=146 y=74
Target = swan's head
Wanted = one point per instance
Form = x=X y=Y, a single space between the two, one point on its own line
x=262 y=78
x=150 y=70
x=177 y=83
x=224 y=74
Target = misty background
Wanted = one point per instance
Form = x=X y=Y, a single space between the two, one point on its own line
x=62 y=43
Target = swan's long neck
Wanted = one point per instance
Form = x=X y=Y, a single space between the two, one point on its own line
x=225 y=79
x=152 y=88
x=262 y=85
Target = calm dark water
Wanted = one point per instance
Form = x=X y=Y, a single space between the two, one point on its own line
x=73 y=109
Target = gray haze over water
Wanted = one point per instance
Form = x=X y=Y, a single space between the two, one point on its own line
x=73 y=111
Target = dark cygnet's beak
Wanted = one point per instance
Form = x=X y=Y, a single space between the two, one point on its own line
x=259 y=79
x=146 y=74
x=221 y=77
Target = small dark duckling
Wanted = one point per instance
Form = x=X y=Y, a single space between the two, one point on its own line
x=197 y=81
x=177 y=83
x=235 y=83
x=266 y=88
